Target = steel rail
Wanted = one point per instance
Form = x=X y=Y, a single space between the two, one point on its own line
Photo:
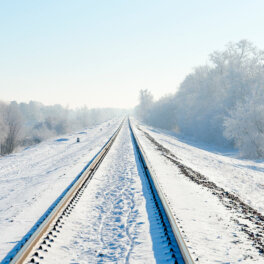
x=25 y=251
x=176 y=231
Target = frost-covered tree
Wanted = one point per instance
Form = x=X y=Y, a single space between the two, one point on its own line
x=162 y=113
x=27 y=124
x=245 y=126
x=210 y=92
x=145 y=104
x=83 y=116
x=210 y=100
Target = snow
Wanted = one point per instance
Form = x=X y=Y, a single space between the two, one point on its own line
x=32 y=179
x=114 y=220
x=207 y=226
x=245 y=178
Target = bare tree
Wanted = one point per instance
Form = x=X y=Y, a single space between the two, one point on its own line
x=2 y=123
x=13 y=124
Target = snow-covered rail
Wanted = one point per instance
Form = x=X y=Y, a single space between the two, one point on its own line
x=176 y=243
x=42 y=233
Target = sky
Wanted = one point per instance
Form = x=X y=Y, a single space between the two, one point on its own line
x=101 y=53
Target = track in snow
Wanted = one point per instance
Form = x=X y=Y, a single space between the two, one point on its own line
x=116 y=219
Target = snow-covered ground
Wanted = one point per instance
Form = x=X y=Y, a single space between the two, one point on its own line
x=32 y=179
x=242 y=177
x=211 y=230
x=113 y=221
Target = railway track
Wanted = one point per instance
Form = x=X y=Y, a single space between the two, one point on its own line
x=40 y=238
x=178 y=248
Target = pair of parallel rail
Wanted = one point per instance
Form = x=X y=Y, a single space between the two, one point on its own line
x=26 y=250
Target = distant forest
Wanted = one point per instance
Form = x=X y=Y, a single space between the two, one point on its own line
x=221 y=103
x=24 y=124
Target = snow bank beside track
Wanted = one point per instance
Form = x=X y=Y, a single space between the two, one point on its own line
x=245 y=178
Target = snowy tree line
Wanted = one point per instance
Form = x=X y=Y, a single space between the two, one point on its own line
x=221 y=103
x=24 y=124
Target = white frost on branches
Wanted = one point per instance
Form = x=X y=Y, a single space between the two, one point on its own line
x=245 y=126
x=220 y=103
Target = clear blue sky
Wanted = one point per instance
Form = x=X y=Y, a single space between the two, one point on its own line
x=101 y=53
